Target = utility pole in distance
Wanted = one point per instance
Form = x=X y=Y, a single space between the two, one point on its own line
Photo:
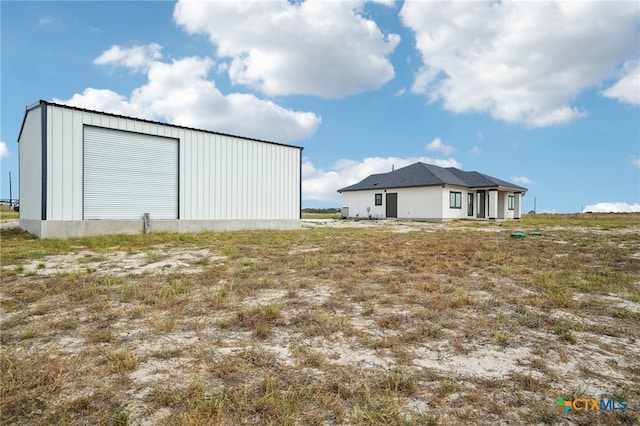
x=10 y=191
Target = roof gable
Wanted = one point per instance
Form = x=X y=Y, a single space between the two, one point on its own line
x=422 y=174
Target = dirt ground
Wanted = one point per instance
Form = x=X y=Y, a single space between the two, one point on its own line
x=368 y=322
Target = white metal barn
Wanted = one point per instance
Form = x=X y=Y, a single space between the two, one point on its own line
x=85 y=172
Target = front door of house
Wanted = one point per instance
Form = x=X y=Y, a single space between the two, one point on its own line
x=392 y=205
x=470 y=204
x=481 y=200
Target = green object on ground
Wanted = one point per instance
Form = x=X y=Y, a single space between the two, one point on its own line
x=535 y=233
x=518 y=235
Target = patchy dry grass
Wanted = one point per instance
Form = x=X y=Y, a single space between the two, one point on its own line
x=358 y=323
x=7 y=213
x=309 y=215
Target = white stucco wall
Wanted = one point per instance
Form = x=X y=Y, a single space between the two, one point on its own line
x=503 y=205
x=413 y=203
x=358 y=201
x=492 y=204
x=420 y=203
x=454 y=213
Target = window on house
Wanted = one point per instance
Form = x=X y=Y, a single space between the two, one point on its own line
x=378 y=199
x=511 y=202
x=455 y=200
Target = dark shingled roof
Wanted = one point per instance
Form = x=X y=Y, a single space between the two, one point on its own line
x=422 y=174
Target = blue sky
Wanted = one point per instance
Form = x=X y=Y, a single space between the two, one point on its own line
x=542 y=94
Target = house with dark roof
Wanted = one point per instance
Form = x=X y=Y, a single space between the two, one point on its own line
x=429 y=192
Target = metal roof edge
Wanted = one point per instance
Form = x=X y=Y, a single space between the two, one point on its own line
x=443 y=185
x=43 y=102
x=27 y=110
x=500 y=188
x=384 y=188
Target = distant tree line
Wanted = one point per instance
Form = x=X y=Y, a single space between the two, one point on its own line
x=321 y=210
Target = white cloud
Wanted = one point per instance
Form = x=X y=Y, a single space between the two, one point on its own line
x=137 y=57
x=322 y=185
x=437 y=145
x=627 y=89
x=324 y=48
x=523 y=180
x=522 y=62
x=475 y=150
x=107 y=101
x=4 y=150
x=181 y=93
x=635 y=161
x=612 y=208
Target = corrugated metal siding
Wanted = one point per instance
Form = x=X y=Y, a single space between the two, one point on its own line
x=64 y=163
x=221 y=177
x=129 y=174
x=30 y=146
x=228 y=178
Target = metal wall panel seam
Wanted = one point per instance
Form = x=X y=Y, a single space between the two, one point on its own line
x=212 y=183
x=44 y=129
x=234 y=182
x=55 y=172
x=182 y=178
x=178 y=180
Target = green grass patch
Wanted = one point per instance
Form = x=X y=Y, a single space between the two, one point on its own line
x=306 y=215
x=7 y=212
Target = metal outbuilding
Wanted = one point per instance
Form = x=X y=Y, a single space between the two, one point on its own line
x=86 y=172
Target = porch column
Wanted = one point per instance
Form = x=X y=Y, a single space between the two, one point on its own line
x=493 y=204
x=517 y=205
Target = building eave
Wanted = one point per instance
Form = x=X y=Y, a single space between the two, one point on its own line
x=142 y=120
x=384 y=188
x=499 y=188
x=475 y=188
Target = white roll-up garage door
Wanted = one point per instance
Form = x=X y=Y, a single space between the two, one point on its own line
x=128 y=174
